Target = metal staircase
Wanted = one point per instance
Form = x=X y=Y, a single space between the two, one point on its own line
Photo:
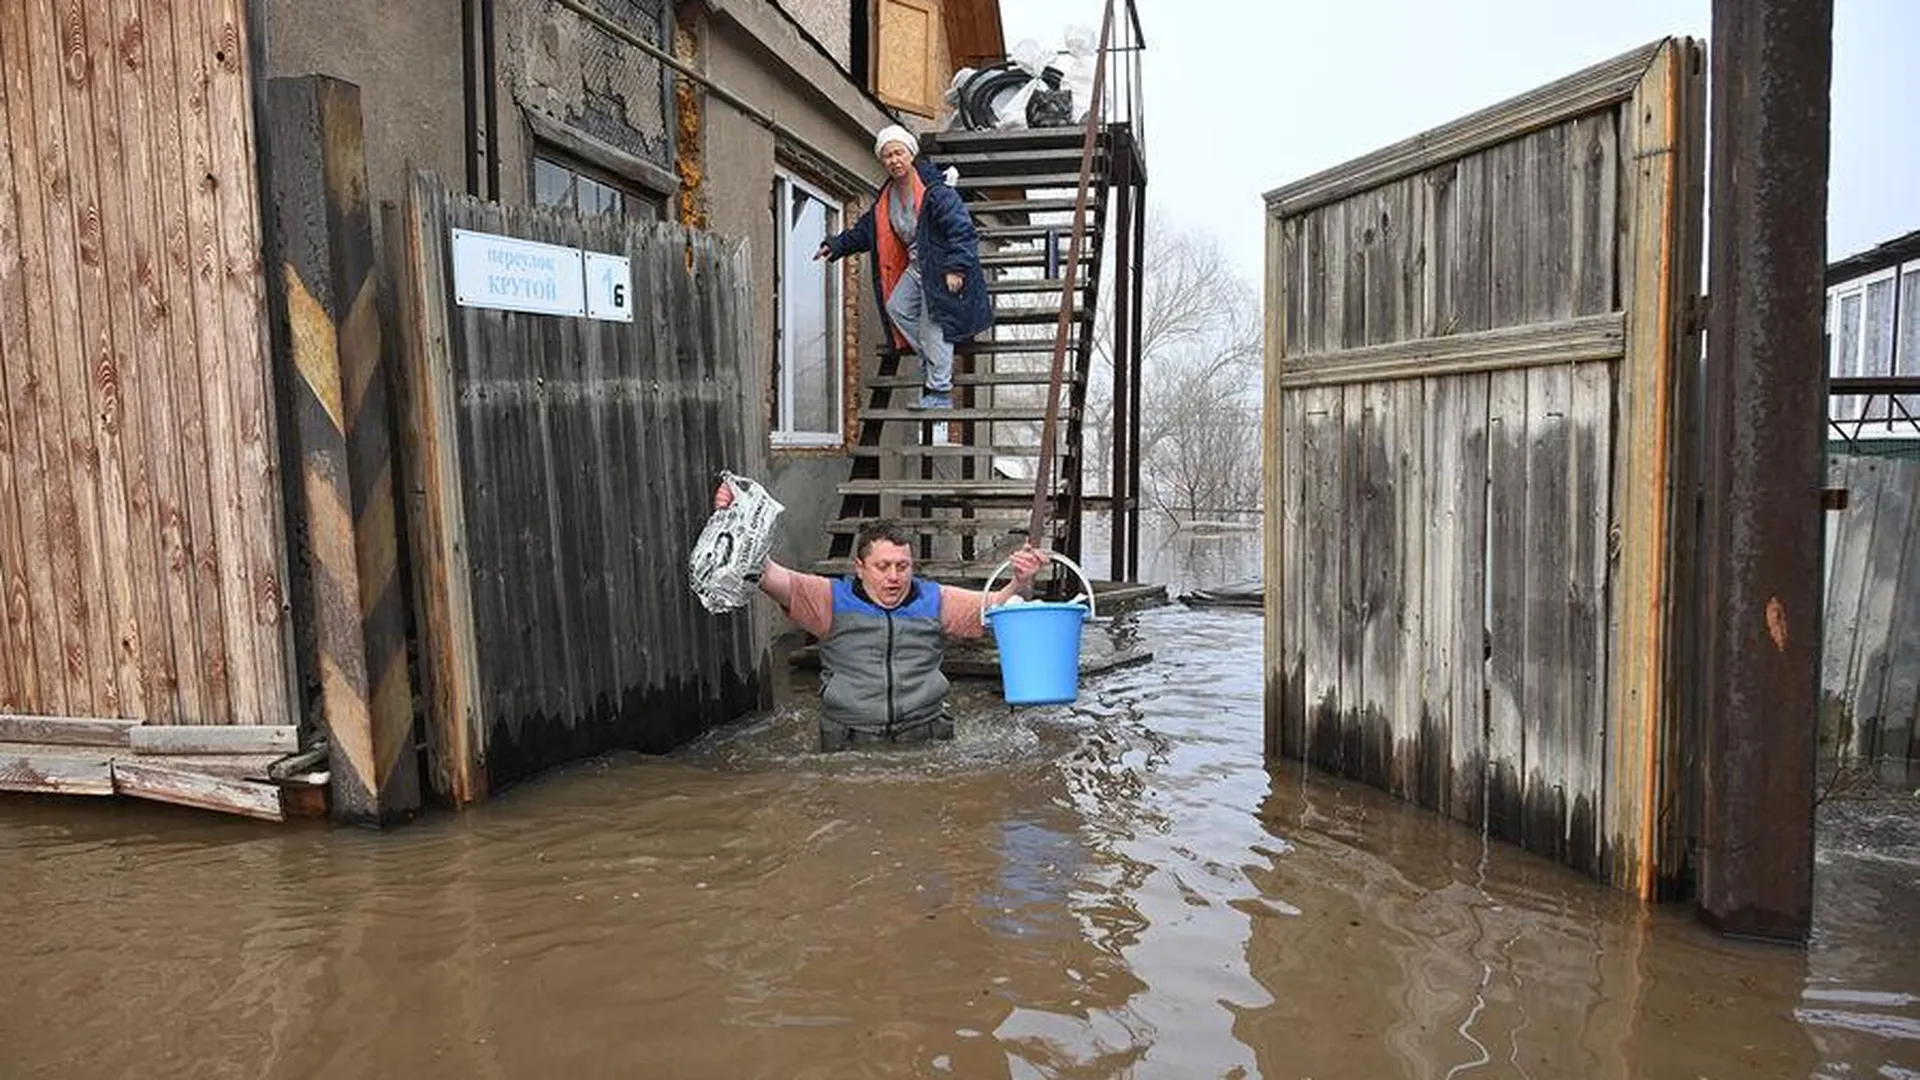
x=968 y=482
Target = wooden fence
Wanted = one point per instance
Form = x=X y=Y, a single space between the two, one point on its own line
x=559 y=471
x=1475 y=344
x=141 y=543
x=1870 y=677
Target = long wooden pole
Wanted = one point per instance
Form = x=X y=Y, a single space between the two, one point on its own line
x=1038 y=521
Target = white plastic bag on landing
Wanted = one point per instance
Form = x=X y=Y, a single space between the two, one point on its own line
x=724 y=569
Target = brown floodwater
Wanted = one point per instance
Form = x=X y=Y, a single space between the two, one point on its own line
x=1121 y=888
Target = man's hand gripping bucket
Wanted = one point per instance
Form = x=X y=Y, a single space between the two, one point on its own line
x=1039 y=642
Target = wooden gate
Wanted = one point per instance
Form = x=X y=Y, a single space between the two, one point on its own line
x=141 y=541
x=559 y=470
x=1478 y=368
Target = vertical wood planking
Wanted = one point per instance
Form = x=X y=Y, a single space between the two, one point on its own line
x=1324 y=514
x=1274 y=452
x=1852 y=530
x=1546 y=702
x=1291 y=603
x=1590 y=426
x=1351 y=509
x=240 y=278
x=62 y=364
x=223 y=546
x=1468 y=430
x=1375 y=533
x=1900 y=689
x=1649 y=282
x=1437 y=512
x=1463 y=246
x=129 y=367
x=1873 y=656
x=1506 y=567
x=1414 y=749
x=31 y=640
x=190 y=547
x=101 y=384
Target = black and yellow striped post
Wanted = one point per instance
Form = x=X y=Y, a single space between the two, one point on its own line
x=350 y=605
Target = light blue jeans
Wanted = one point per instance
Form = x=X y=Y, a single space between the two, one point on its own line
x=907 y=307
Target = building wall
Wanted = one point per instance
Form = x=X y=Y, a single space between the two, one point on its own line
x=751 y=56
x=406 y=60
x=829 y=21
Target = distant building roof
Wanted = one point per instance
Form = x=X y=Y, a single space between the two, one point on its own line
x=1879 y=257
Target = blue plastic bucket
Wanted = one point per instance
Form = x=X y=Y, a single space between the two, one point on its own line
x=1039 y=645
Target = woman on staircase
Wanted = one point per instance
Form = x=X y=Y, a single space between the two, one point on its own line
x=925 y=262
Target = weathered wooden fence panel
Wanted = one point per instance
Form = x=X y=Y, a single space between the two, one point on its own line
x=1870 y=681
x=1472 y=375
x=141 y=543
x=562 y=468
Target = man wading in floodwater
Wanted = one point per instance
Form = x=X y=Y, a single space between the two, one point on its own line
x=882 y=635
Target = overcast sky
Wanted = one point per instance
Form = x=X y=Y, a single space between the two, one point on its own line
x=1243 y=96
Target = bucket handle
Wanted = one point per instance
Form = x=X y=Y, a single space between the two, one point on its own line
x=986 y=591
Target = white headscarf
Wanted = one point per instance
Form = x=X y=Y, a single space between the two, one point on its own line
x=893 y=133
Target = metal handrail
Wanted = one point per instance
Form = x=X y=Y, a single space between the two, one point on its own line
x=1895 y=388
x=1042 y=511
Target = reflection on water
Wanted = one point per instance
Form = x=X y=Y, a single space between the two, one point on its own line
x=1120 y=888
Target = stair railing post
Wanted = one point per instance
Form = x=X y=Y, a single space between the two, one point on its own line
x=1040 y=518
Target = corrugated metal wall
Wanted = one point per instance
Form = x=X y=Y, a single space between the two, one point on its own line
x=141 y=546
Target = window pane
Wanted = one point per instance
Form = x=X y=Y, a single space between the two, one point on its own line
x=1846 y=352
x=1876 y=351
x=811 y=355
x=600 y=200
x=552 y=185
x=1907 y=361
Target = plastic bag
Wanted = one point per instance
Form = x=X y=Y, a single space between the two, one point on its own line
x=724 y=569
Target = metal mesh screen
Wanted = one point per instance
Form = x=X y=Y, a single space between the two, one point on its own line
x=623 y=99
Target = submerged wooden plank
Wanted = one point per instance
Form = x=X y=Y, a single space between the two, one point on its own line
x=58 y=770
x=224 y=739
x=66 y=731
x=187 y=787
x=1588 y=522
x=1377 y=538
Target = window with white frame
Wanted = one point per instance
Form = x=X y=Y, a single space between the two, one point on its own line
x=1873 y=329
x=808 y=359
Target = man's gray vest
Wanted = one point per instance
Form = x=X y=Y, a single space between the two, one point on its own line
x=879 y=669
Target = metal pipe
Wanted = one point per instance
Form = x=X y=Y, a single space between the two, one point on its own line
x=745 y=107
x=469 y=96
x=490 y=90
x=1761 y=542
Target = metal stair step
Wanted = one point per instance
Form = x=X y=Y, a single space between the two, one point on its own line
x=1021 y=161
x=1035 y=232
x=1007 y=525
x=1040 y=315
x=1031 y=182
x=956 y=489
x=1058 y=205
x=958 y=415
x=1020 y=450
x=1006 y=285
x=978 y=378
x=964 y=141
x=1030 y=258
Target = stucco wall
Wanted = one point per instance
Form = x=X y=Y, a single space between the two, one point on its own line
x=406 y=60
x=829 y=21
x=739 y=158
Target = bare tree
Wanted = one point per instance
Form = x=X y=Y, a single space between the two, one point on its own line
x=1200 y=374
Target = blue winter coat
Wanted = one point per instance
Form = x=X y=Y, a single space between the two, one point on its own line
x=944 y=240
